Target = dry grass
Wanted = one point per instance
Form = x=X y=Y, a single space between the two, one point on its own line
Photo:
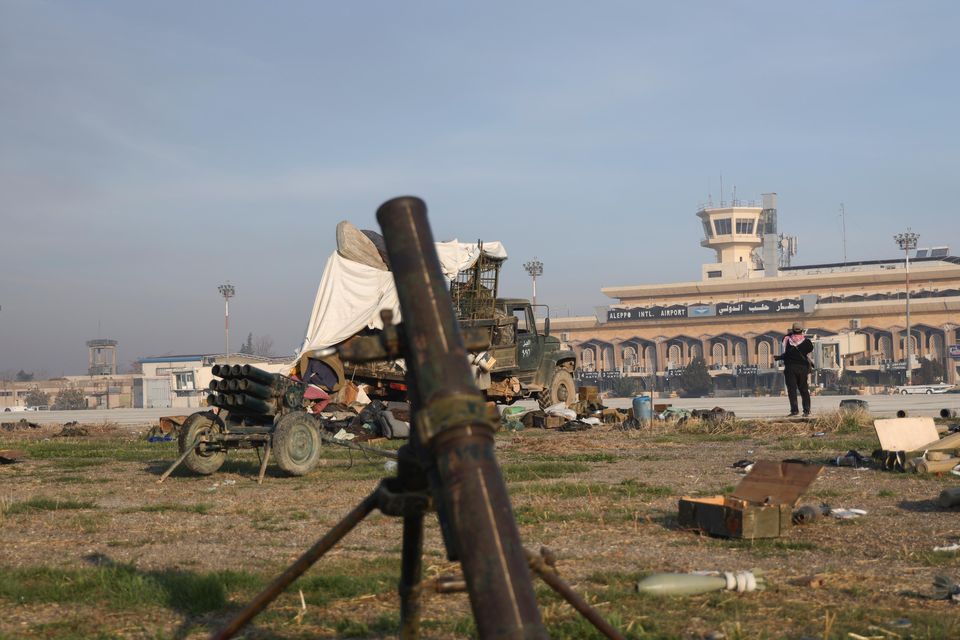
x=174 y=560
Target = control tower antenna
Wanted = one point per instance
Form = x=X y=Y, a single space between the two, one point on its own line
x=843 y=225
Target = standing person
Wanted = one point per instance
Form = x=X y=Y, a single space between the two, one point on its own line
x=795 y=348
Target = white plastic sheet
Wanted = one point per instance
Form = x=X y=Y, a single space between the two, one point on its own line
x=351 y=295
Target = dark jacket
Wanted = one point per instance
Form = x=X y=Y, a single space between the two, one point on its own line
x=796 y=355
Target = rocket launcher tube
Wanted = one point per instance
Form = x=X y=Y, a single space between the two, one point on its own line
x=257 y=375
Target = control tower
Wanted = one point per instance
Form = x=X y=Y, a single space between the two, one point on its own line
x=103 y=357
x=736 y=231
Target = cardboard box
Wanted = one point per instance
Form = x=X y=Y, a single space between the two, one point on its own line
x=761 y=506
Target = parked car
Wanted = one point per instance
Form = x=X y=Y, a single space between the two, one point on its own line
x=19 y=408
x=923 y=388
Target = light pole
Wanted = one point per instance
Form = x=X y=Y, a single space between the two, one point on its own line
x=908 y=241
x=534 y=268
x=227 y=291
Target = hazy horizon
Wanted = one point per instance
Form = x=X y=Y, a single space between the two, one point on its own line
x=152 y=151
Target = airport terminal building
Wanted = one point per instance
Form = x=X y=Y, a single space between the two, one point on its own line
x=736 y=314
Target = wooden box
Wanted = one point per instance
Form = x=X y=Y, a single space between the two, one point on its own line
x=543 y=421
x=761 y=506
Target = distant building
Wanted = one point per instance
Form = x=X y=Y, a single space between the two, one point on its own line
x=183 y=380
x=736 y=314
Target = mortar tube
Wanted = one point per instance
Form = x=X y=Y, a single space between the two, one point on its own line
x=465 y=480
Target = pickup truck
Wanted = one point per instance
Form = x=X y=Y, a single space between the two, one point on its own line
x=922 y=388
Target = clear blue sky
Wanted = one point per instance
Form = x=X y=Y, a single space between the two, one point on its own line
x=151 y=150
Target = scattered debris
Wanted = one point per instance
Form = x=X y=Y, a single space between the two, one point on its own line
x=743 y=466
x=945 y=588
x=20 y=425
x=72 y=432
x=167 y=429
x=716 y=415
x=814 y=582
x=11 y=456
x=561 y=409
x=343 y=434
x=852 y=404
x=951 y=547
x=510 y=419
x=805 y=515
x=852 y=458
x=575 y=425
x=949 y=498
x=845 y=514
x=697 y=582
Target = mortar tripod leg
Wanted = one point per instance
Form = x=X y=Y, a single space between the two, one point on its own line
x=411 y=568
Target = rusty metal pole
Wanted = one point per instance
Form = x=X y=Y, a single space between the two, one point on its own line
x=411 y=569
x=454 y=435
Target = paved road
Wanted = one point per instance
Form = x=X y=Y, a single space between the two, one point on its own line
x=881 y=405
x=122 y=417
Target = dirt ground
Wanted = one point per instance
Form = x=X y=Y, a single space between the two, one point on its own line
x=604 y=501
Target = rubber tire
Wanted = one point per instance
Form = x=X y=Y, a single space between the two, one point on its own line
x=903 y=392
x=296 y=443
x=929 y=391
x=562 y=388
x=205 y=425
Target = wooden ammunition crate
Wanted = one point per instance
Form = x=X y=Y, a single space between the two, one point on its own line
x=761 y=506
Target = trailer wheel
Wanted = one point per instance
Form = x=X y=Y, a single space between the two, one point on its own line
x=202 y=428
x=296 y=443
x=561 y=389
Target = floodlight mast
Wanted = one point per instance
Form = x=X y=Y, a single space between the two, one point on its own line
x=227 y=291
x=534 y=268
x=908 y=242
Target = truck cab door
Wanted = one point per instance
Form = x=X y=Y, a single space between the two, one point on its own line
x=529 y=345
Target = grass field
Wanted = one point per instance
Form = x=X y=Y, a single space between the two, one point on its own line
x=92 y=547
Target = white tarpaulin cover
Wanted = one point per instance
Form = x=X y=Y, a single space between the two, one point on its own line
x=351 y=295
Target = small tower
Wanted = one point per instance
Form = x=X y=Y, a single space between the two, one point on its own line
x=103 y=357
x=734 y=232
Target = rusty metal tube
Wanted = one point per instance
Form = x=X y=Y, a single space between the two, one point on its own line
x=467 y=483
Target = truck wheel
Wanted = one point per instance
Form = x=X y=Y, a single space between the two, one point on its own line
x=903 y=392
x=202 y=429
x=296 y=443
x=561 y=389
x=929 y=391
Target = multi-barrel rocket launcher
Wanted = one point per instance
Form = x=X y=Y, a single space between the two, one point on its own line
x=257 y=410
x=250 y=391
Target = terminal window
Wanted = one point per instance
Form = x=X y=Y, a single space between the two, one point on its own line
x=722 y=225
x=745 y=225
